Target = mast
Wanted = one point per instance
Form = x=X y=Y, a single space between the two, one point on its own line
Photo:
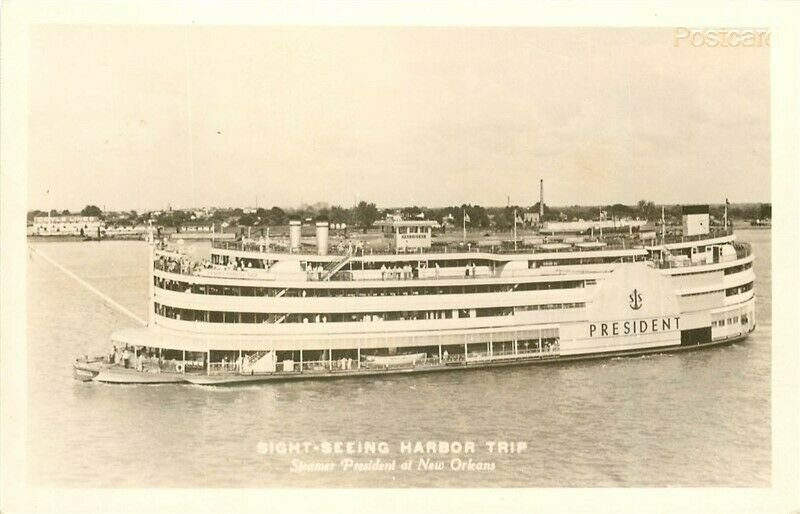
x=464 y=220
x=601 y=221
x=515 y=229
x=726 y=215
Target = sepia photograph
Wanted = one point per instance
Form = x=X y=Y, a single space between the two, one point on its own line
x=396 y=257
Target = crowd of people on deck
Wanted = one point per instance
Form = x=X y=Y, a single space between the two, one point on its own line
x=469 y=270
x=182 y=265
x=314 y=272
x=397 y=272
x=237 y=264
x=141 y=360
x=351 y=248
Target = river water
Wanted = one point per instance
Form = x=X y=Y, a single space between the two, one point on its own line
x=689 y=419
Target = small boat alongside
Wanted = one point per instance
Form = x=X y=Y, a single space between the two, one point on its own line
x=387 y=361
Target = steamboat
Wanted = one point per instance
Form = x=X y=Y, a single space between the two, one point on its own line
x=303 y=308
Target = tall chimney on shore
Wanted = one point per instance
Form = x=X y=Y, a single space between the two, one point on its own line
x=541 y=199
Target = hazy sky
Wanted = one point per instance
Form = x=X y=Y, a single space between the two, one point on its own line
x=138 y=117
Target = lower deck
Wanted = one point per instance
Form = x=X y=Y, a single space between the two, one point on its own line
x=102 y=370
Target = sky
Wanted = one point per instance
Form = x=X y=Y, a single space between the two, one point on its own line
x=145 y=117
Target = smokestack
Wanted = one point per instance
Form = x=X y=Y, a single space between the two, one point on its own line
x=294 y=235
x=541 y=199
x=322 y=238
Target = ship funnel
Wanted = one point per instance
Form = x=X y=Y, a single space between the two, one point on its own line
x=322 y=238
x=294 y=235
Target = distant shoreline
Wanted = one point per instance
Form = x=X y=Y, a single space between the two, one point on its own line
x=229 y=236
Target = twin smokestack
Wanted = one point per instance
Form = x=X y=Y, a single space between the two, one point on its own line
x=295 y=233
x=295 y=228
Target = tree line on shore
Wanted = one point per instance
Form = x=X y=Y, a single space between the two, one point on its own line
x=365 y=214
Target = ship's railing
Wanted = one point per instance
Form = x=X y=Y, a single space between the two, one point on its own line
x=173 y=265
x=314 y=365
x=185 y=266
x=742 y=250
x=472 y=247
x=351 y=365
x=251 y=246
x=680 y=238
x=670 y=264
x=614 y=242
x=225 y=272
x=223 y=367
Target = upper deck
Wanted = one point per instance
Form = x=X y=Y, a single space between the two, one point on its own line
x=260 y=261
x=280 y=248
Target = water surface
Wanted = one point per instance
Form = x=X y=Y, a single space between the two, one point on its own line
x=689 y=419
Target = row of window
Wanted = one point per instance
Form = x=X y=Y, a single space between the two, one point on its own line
x=701 y=294
x=739 y=289
x=546 y=306
x=262 y=317
x=728 y=271
x=411 y=290
x=586 y=260
x=739 y=268
x=729 y=321
x=728 y=292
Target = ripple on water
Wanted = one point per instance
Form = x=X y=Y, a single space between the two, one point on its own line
x=683 y=419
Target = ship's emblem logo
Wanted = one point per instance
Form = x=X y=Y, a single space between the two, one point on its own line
x=636 y=300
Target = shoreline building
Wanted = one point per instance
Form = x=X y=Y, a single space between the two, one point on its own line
x=70 y=225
